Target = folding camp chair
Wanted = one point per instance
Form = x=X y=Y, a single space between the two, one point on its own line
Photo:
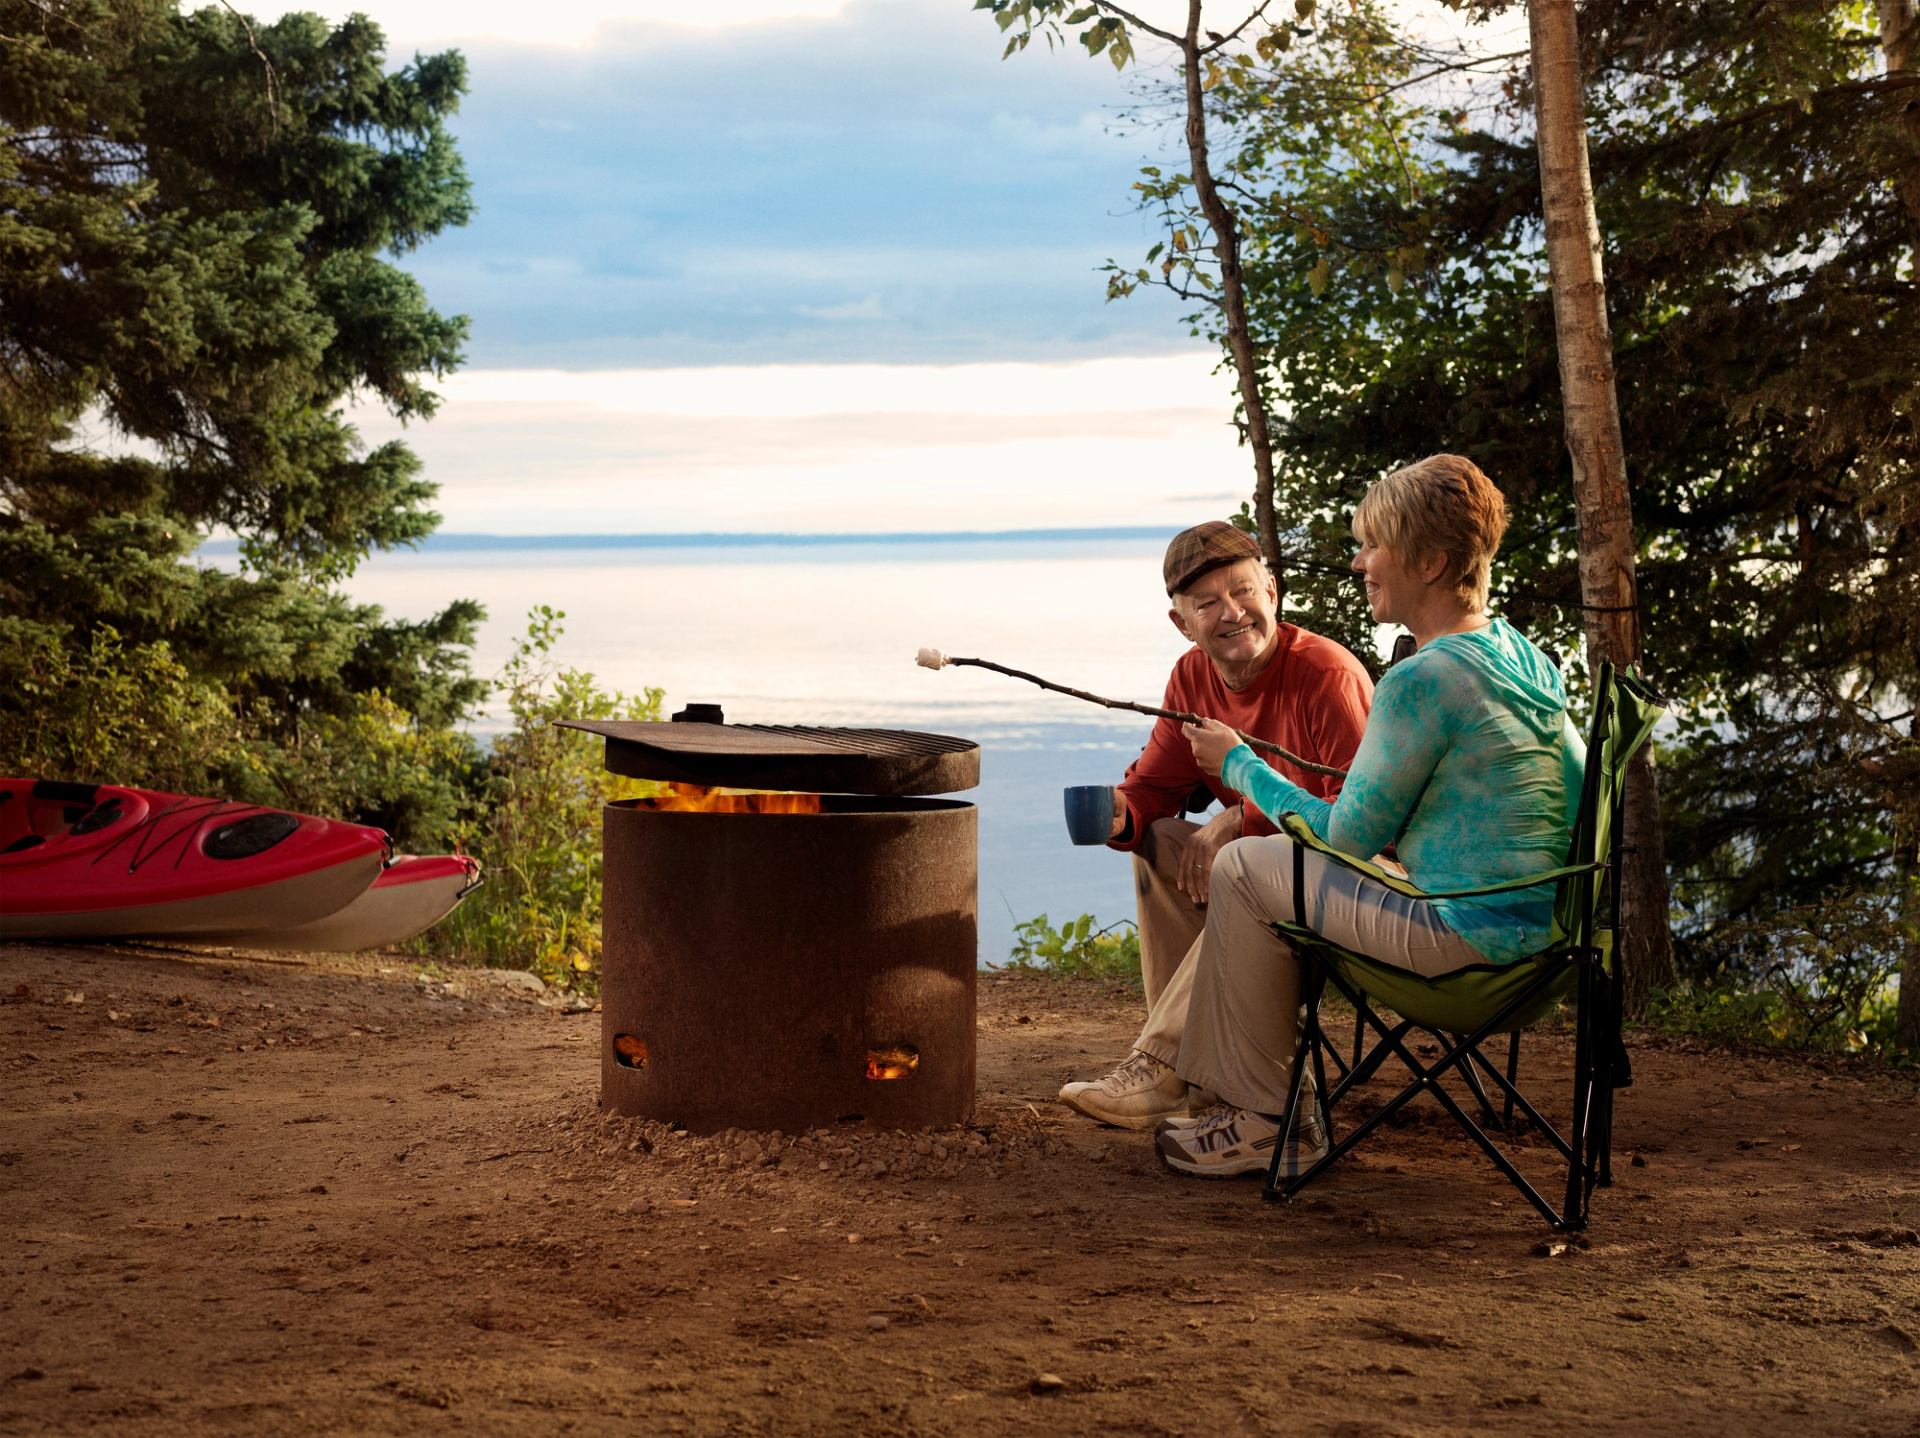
x=1464 y=1009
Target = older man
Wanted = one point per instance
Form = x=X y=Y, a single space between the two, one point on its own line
x=1266 y=678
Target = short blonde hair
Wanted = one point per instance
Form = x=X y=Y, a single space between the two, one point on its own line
x=1443 y=505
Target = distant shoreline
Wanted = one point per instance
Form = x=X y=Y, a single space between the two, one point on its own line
x=454 y=543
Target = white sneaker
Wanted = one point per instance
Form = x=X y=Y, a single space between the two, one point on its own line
x=1199 y=1115
x=1205 y=1107
x=1138 y=1094
x=1230 y=1141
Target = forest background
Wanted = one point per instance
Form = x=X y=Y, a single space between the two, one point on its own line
x=199 y=218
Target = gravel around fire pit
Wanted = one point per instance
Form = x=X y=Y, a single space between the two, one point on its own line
x=735 y=1162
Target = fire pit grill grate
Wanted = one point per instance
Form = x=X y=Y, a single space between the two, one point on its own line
x=866 y=741
x=786 y=756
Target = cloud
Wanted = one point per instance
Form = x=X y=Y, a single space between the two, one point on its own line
x=1088 y=387
x=666 y=194
x=863 y=309
x=1089 y=132
x=1225 y=496
x=554 y=22
x=828 y=447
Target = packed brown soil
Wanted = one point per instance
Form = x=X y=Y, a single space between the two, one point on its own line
x=246 y=1195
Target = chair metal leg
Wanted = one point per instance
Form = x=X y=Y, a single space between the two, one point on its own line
x=1427 y=1077
x=1580 y=1134
x=1332 y=1052
x=1462 y=1056
x=1311 y=1039
x=1514 y=1096
x=1513 y=1072
x=1449 y=1042
x=1317 y=977
x=1618 y=1072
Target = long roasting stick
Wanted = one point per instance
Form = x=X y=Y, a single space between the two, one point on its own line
x=934 y=659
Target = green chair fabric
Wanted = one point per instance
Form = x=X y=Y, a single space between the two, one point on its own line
x=1466 y=1008
x=1460 y=1002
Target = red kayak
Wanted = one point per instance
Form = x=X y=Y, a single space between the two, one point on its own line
x=412 y=894
x=84 y=861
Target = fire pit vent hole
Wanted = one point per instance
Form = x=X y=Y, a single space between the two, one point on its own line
x=629 y=1052
x=893 y=1061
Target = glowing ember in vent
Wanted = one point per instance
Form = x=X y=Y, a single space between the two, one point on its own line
x=691 y=798
x=894 y=1062
x=629 y=1051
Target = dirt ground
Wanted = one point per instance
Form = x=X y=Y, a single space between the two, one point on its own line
x=251 y=1194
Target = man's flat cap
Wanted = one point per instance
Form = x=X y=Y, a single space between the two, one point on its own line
x=1205 y=547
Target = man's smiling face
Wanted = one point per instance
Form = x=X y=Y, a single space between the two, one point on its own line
x=1231 y=613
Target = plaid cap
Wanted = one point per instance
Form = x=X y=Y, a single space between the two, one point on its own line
x=1205 y=547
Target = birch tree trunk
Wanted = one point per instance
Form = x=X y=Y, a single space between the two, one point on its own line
x=1592 y=410
x=1899 y=40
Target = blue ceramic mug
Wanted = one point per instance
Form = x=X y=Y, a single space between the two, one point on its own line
x=1089 y=813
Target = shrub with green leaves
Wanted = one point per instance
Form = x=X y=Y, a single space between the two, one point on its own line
x=1817 y=976
x=108 y=708
x=1077 y=950
x=368 y=760
x=536 y=832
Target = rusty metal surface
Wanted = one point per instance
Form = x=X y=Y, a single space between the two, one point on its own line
x=753 y=962
x=774 y=756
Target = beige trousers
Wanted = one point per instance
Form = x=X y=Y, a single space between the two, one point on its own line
x=1228 y=1018
x=1170 y=922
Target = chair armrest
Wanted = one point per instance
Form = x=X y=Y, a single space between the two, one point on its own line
x=1301 y=832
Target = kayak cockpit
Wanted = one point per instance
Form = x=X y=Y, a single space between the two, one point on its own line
x=35 y=813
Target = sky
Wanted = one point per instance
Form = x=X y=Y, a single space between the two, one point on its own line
x=803 y=266
x=799 y=265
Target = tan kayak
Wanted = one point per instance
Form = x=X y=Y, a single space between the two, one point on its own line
x=412 y=894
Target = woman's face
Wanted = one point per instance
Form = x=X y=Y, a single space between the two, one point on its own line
x=1394 y=591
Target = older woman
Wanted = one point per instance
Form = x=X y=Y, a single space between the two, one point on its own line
x=1469 y=765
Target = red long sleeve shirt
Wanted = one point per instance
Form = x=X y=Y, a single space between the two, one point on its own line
x=1312 y=698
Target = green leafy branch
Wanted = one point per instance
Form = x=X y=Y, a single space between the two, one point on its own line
x=1077 y=950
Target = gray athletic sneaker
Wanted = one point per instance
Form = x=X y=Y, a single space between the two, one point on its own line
x=1198 y=1115
x=1203 y=1106
x=1227 y=1142
x=1138 y=1094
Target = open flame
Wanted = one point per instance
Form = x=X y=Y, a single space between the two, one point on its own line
x=895 y=1061
x=691 y=798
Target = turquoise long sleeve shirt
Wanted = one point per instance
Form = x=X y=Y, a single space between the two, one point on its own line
x=1470 y=764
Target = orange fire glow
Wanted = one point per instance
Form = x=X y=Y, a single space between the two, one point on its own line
x=691 y=798
x=630 y=1051
x=892 y=1063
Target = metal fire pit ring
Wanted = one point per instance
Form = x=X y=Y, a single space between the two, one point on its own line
x=771 y=971
x=779 y=970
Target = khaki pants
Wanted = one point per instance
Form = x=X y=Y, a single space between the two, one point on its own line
x=1228 y=1017
x=1170 y=922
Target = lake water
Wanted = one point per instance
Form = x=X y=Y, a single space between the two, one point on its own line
x=808 y=633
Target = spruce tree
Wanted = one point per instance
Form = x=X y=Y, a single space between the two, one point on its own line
x=199 y=218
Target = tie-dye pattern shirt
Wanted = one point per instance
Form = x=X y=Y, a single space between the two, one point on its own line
x=1470 y=764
